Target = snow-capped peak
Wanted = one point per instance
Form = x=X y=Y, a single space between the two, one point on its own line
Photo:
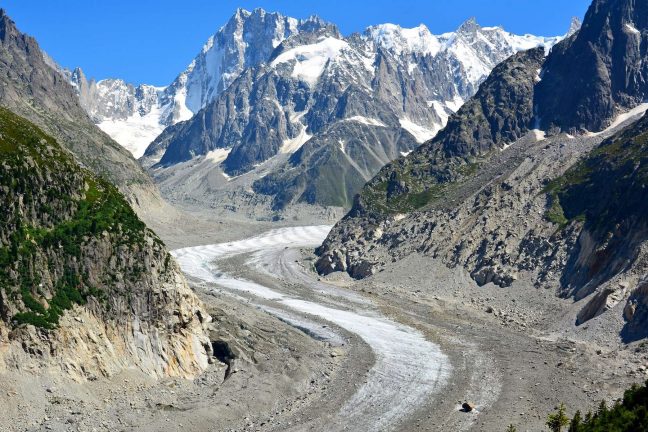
x=314 y=52
x=398 y=39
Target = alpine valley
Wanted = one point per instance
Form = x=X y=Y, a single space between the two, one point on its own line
x=390 y=230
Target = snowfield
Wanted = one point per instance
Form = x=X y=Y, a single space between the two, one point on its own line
x=408 y=369
x=310 y=60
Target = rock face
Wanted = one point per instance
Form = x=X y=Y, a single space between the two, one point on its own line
x=31 y=86
x=492 y=194
x=84 y=285
x=597 y=73
x=350 y=104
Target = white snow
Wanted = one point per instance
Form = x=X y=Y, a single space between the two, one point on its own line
x=635 y=112
x=398 y=39
x=218 y=155
x=407 y=368
x=342 y=146
x=291 y=145
x=404 y=154
x=539 y=135
x=441 y=111
x=310 y=60
x=181 y=111
x=366 y=120
x=420 y=133
x=455 y=104
x=136 y=132
x=632 y=29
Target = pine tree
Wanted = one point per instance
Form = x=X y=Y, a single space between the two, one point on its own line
x=511 y=428
x=576 y=423
x=558 y=420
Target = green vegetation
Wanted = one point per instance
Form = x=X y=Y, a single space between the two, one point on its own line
x=558 y=420
x=606 y=187
x=52 y=209
x=627 y=415
x=556 y=214
x=422 y=182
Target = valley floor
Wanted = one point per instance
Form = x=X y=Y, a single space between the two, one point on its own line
x=399 y=351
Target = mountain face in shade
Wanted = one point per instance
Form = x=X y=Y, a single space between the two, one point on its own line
x=533 y=179
x=599 y=72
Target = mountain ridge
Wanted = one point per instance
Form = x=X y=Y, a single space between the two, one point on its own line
x=313 y=85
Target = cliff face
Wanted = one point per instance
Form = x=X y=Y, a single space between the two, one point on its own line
x=590 y=77
x=84 y=285
x=606 y=193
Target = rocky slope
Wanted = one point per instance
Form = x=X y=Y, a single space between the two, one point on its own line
x=31 y=86
x=337 y=104
x=488 y=192
x=85 y=287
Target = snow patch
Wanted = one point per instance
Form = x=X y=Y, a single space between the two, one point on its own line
x=420 y=133
x=219 y=155
x=539 y=135
x=398 y=39
x=366 y=120
x=310 y=60
x=636 y=111
x=342 y=146
x=136 y=132
x=291 y=145
x=632 y=29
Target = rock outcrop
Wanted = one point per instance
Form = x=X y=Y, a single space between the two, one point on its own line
x=597 y=73
x=85 y=287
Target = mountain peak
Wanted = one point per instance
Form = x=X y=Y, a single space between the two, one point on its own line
x=574 y=26
x=6 y=25
x=241 y=13
x=469 y=26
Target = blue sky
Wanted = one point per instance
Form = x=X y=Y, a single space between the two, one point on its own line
x=151 y=41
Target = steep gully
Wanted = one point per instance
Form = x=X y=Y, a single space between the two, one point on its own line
x=407 y=370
